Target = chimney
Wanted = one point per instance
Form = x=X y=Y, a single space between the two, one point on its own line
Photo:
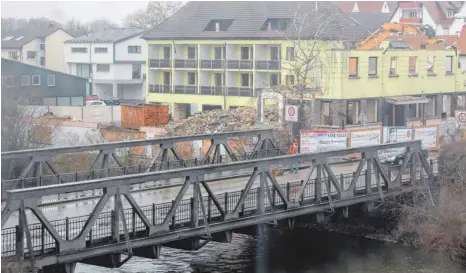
x=217 y=26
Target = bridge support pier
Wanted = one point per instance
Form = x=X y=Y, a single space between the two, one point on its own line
x=320 y=217
x=111 y=260
x=368 y=207
x=60 y=268
x=222 y=237
x=151 y=252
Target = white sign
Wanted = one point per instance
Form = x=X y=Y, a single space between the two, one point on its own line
x=427 y=135
x=460 y=119
x=395 y=134
x=323 y=140
x=291 y=113
x=365 y=137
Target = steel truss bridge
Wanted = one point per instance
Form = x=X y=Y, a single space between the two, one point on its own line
x=197 y=216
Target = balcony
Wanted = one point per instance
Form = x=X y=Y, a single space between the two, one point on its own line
x=160 y=63
x=268 y=65
x=239 y=64
x=212 y=64
x=185 y=89
x=410 y=20
x=212 y=90
x=159 y=88
x=185 y=63
x=239 y=91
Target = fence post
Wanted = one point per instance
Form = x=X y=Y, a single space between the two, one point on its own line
x=19 y=240
x=226 y=202
x=242 y=207
x=153 y=213
x=209 y=207
x=42 y=239
x=67 y=228
x=133 y=218
x=174 y=215
x=76 y=177
x=288 y=191
x=342 y=182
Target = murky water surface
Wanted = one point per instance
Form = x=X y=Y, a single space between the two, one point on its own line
x=300 y=250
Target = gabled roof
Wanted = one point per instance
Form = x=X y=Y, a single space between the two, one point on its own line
x=438 y=11
x=415 y=41
x=26 y=66
x=107 y=36
x=27 y=34
x=248 y=18
x=371 y=21
x=462 y=41
x=366 y=6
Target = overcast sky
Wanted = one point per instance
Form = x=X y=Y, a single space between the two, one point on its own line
x=62 y=11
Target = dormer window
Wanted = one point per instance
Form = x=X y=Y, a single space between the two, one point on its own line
x=19 y=38
x=218 y=25
x=7 y=38
x=450 y=13
x=277 y=24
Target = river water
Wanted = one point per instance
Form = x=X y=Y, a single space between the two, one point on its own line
x=284 y=251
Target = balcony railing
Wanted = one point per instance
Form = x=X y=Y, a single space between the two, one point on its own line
x=185 y=63
x=159 y=88
x=185 y=89
x=160 y=63
x=239 y=91
x=212 y=90
x=239 y=64
x=213 y=64
x=268 y=65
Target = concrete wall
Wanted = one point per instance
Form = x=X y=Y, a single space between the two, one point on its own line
x=131 y=91
x=100 y=58
x=33 y=45
x=121 y=50
x=54 y=47
x=103 y=114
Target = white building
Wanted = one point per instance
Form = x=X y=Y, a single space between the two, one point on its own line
x=114 y=60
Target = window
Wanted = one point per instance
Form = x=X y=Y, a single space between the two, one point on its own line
x=218 y=25
x=430 y=64
x=136 y=71
x=277 y=24
x=191 y=52
x=42 y=61
x=372 y=66
x=19 y=38
x=273 y=79
x=245 y=80
x=83 y=70
x=393 y=66
x=51 y=80
x=134 y=49
x=191 y=78
x=42 y=40
x=13 y=55
x=31 y=54
x=10 y=82
x=166 y=78
x=218 y=53
x=35 y=80
x=25 y=80
x=244 y=53
x=7 y=38
x=103 y=68
x=42 y=46
x=353 y=67
x=450 y=13
x=290 y=53
x=412 y=65
x=218 y=79
x=78 y=50
x=449 y=65
x=100 y=50
x=290 y=80
x=166 y=52
x=274 y=53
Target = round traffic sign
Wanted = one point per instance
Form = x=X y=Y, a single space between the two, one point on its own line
x=291 y=111
x=462 y=118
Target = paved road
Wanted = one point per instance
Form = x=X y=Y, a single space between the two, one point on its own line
x=144 y=198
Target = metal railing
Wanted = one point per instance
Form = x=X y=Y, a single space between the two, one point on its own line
x=185 y=89
x=212 y=90
x=160 y=63
x=103 y=229
x=268 y=65
x=186 y=63
x=213 y=64
x=239 y=64
x=240 y=91
x=160 y=88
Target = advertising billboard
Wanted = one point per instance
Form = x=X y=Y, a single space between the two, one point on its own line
x=323 y=140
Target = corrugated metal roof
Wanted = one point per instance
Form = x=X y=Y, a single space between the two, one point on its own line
x=107 y=36
x=14 y=39
x=249 y=16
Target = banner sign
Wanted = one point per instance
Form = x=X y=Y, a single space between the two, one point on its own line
x=395 y=134
x=322 y=140
x=365 y=137
x=428 y=135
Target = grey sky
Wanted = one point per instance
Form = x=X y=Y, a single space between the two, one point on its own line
x=62 y=11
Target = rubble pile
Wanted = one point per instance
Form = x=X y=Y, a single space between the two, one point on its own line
x=215 y=121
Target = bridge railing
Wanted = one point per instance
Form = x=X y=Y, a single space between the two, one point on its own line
x=189 y=217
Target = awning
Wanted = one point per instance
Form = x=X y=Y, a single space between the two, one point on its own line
x=403 y=100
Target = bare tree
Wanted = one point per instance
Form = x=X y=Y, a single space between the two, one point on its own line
x=152 y=15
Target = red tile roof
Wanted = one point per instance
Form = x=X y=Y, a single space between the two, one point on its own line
x=438 y=9
x=462 y=41
x=415 y=41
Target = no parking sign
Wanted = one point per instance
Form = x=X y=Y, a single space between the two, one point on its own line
x=291 y=113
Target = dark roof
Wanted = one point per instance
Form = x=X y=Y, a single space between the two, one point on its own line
x=25 y=65
x=249 y=16
x=371 y=21
x=107 y=36
x=28 y=35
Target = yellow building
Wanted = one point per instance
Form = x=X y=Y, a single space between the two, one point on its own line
x=212 y=55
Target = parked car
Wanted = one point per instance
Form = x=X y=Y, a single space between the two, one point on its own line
x=398 y=159
x=91 y=98
x=95 y=103
x=112 y=101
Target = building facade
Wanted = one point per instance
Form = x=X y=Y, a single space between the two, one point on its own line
x=31 y=85
x=113 y=60
x=37 y=46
